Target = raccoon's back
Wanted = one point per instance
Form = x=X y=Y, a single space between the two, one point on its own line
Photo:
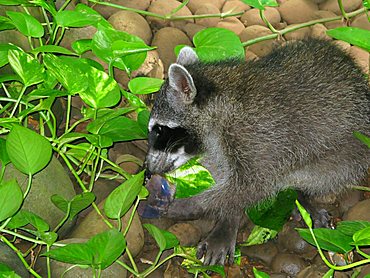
x=296 y=104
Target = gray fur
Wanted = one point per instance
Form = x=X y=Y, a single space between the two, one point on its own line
x=284 y=120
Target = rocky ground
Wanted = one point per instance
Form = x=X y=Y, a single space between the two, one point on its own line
x=286 y=256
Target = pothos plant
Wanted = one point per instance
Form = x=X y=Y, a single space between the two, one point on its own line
x=45 y=73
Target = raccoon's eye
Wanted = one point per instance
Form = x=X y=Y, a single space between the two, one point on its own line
x=158 y=130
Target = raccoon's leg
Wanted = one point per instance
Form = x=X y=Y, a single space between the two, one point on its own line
x=185 y=209
x=219 y=246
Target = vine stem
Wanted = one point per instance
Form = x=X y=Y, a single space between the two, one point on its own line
x=19 y=254
x=299 y=26
x=169 y=16
x=341 y=7
x=18 y=101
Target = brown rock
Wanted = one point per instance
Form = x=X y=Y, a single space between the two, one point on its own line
x=312 y=271
x=342 y=44
x=186 y=233
x=95 y=224
x=365 y=271
x=264 y=252
x=329 y=14
x=332 y=5
x=360 y=211
x=297 y=11
x=73 y=34
x=164 y=7
x=107 y=11
x=61 y=269
x=235 y=6
x=191 y=29
x=249 y=55
x=288 y=263
x=256 y=31
x=252 y=17
x=361 y=21
x=231 y=23
x=290 y=240
x=131 y=23
x=194 y=5
x=207 y=9
x=319 y=31
x=361 y=57
x=234 y=271
x=351 y=197
x=166 y=39
x=298 y=34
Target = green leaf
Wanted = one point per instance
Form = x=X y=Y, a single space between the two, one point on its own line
x=4 y=157
x=363 y=138
x=4 y=49
x=121 y=198
x=6 y=23
x=132 y=54
x=107 y=247
x=70 y=76
x=25 y=217
x=7 y=78
x=349 y=228
x=123 y=129
x=329 y=273
x=100 y=141
x=165 y=240
x=133 y=100
x=259 y=274
x=28 y=68
x=80 y=202
x=356 y=36
x=81 y=46
x=11 y=198
x=73 y=253
x=261 y=4
x=366 y=4
x=328 y=239
x=27 y=150
x=145 y=85
x=48 y=237
x=190 y=179
x=214 y=44
x=204 y=269
x=6 y=271
x=100 y=20
x=305 y=215
x=99 y=252
x=75 y=18
x=52 y=49
x=77 y=204
x=13 y=2
x=102 y=90
x=26 y=24
x=102 y=46
x=95 y=126
x=60 y=202
x=259 y=235
x=273 y=213
x=362 y=237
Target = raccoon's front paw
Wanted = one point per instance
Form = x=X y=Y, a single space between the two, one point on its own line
x=219 y=246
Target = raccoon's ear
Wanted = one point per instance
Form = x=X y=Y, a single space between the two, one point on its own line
x=180 y=80
x=187 y=56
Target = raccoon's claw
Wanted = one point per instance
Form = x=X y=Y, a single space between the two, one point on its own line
x=216 y=253
x=219 y=246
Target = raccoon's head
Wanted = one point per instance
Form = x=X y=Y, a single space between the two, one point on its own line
x=171 y=139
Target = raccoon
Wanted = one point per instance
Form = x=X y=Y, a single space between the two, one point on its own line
x=285 y=120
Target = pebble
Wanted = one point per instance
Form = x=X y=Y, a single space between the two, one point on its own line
x=166 y=39
x=332 y=5
x=290 y=264
x=194 y=5
x=297 y=11
x=361 y=21
x=360 y=211
x=263 y=252
x=231 y=23
x=252 y=17
x=255 y=31
x=235 y=6
x=207 y=9
x=107 y=11
x=186 y=233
